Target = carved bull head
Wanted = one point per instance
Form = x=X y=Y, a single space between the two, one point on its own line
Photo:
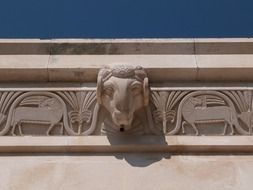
x=123 y=90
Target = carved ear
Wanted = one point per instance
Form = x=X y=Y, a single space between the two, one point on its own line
x=146 y=91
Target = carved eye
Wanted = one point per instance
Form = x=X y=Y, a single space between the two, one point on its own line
x=136 y=88
x=108 y=91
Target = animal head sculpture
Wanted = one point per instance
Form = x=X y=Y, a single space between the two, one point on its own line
x=123 y=90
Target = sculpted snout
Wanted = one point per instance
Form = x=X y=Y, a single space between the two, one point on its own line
x=122 y=100
x=122 y=118
x=122 y=109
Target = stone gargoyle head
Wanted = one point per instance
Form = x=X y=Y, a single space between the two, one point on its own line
x=123 y=90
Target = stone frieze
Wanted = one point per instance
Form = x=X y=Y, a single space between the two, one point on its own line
x=124 y=103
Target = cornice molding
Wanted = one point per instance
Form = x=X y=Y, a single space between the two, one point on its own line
x=165 y=60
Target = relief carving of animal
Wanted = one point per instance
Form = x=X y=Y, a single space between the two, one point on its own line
x=194 y=113
x=123 y=90
x=49 y=112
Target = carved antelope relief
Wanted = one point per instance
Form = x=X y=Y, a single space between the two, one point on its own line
x=195 y=111
x=49 y=111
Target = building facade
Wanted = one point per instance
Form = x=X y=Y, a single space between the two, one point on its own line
x=126 y=114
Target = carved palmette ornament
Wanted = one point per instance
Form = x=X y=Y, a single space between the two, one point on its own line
x=165 y=102
x=82 y=118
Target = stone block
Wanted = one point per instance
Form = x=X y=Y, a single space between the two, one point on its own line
x=160 y=68
x=126 y=171
x=223 y=46
x=21 y=68
x=225 y=68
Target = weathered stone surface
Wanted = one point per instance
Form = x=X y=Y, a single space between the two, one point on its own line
x=23 y=68
x=130 y=144
x=164 y=59
x=225 y=67
x=160 y=68
x=126 y=171
x=223 y=46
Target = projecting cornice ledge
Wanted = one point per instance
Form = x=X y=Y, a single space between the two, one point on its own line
x=144 y=144
x=165 y=60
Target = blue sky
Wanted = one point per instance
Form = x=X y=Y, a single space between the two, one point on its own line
x=125 y=18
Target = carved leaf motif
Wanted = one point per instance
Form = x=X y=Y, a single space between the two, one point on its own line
x=239 y=99
x=248 y=99
x=80 y=117
x=5 y=101
x=165 y=102
x=243 y=101
x=80 y=103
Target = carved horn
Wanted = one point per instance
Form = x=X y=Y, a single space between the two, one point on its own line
x=103 y=75
x=99 y=86
x=146 y=91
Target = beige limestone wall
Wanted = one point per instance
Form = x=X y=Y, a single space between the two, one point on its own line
x=126 y=171
x=210 y=163
x=95 y=163
x=175 y=60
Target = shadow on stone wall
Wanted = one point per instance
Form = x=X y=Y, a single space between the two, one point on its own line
x=137 y=150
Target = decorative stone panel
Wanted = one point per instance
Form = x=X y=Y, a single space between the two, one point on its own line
x=123 y=103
